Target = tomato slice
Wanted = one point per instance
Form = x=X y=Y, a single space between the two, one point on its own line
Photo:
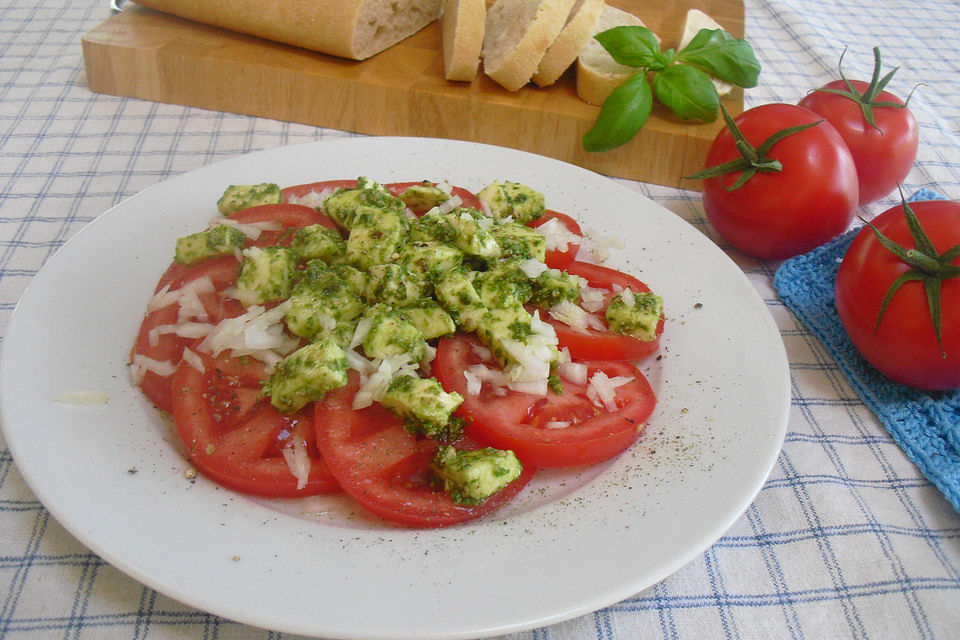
x=168 y=347
x=301 y=190
x=290 y=216
x=520 y=421
x=222 y=272
x=594 y=344
x=555 y=258
x=234 y=435
x=386 y=469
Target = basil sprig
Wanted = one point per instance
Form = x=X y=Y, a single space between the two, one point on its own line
x=681 y=80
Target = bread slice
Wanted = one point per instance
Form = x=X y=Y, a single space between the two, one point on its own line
x=598 y=74
x=355 y=29
x=463 y=28
x=693 y=22
x=571 y=41
x=518 y=33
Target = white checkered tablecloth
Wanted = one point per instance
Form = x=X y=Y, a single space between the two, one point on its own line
x=845 y=540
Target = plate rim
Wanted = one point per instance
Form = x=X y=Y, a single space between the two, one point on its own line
x=611 y=596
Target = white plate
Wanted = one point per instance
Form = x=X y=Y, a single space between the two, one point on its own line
x=572 y=543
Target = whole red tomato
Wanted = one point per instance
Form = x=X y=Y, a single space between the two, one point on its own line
x=800 y=190
x=877 y=126
x=903 y=345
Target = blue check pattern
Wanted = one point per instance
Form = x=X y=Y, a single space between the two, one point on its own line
x=847 y=539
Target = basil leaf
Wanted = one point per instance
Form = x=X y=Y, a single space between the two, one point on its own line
x=688 y=92
x=621 y=116
x=721 y=55
x=630 y=45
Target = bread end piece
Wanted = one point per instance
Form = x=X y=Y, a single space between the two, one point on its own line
x=693 y=22
x=463 y=24
x=598 y=74
x=575 y=35
x=518 y=33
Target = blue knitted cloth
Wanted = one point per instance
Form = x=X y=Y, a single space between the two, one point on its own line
x=925 y=425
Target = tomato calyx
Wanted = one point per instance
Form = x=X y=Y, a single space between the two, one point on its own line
x=752 y=159
x=868 y=99
x=927 y=265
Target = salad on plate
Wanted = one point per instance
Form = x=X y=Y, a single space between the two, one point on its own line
x=422 y=348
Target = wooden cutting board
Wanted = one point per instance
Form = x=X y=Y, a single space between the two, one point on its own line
x=153 y=56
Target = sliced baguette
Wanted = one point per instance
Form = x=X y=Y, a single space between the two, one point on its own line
x=693 y=22
x=463 y=28
x=355 y=29
x=572 y=39
x=517 y=34
x=598 y=74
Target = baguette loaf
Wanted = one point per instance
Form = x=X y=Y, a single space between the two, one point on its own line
x=518 y=33
x=598 y=74
x=463 y=28
x=571 y=41
x=355 y=29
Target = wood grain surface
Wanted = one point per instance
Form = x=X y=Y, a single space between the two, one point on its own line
x=144 y=54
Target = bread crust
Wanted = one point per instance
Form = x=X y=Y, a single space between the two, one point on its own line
x=329 y=26
x=568 y=45
x=515 y=67
x=463 y=23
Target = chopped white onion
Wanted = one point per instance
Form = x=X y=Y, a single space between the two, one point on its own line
x=601 y=246
x=483 y=352
x=575 y=372
x=182 y=329
x=591 y=299
x=373 y=387
x=556 y=424
x=627 y=296
x=485 y=208
x=360 y=333
x=298 y=461
x=532 y=267
x=258 y=333
x=250 y=229
x=162 y=298
x=193 y=360
x=88 y=397
x=140 y=364
x=447 y=206
x=602 y=390
x=450 y=204
x=574 y=316
x=557 y=235
x=313 y=199
x=192 y=307
x=473 y=383
x=358 y=363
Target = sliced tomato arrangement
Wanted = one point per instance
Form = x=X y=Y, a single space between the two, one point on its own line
x=386 y=469
x=233 y=434
x=533 y=425
x=596 y=344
